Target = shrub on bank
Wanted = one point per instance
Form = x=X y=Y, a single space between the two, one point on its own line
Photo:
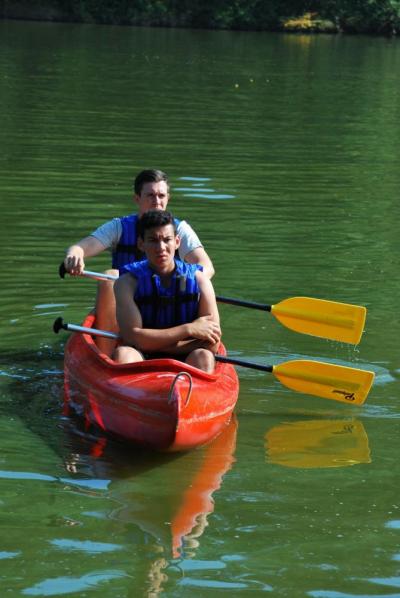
x=360 y=16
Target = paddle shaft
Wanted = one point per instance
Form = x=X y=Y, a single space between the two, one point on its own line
x=244 y=364
x=62 y=271
x=242 y=303
x=220 y=299
x=342 y=322
x=60 y=324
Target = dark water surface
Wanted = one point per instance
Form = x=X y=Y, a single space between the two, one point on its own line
x=283 y=152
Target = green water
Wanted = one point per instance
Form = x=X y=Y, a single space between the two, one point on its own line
x=283 y=154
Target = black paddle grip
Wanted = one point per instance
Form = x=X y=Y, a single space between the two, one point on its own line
x=62 y=270
x=58 y=324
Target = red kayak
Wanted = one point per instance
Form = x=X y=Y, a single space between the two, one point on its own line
x=164 y=404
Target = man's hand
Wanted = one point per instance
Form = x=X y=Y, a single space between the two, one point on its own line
x=75 y=255
x=205 y=329
x=74 y=262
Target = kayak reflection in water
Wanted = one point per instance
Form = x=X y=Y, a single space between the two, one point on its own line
x=167 y=498
x=165 y=306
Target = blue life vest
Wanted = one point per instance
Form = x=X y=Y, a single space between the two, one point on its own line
x=162 y=307
x=127 y=250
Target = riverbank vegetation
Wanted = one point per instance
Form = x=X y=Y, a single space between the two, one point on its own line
x=356 y=16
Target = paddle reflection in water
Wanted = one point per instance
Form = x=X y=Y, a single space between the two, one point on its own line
x=167 y=496
x=318 y=443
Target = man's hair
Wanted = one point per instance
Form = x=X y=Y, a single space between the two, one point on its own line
x=150 y=175
x=154 y=219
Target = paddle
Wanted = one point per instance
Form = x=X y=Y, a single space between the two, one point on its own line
x=337 y=382
x=317 y=317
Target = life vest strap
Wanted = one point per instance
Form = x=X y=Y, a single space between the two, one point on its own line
x=164 y=300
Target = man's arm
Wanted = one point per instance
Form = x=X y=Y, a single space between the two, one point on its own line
x=205 y=328
x=191 y=249
x=207 y=302
x=200 y=256
x=207 y=314
x=74 y=260
x=105 y=236
x=208 y=307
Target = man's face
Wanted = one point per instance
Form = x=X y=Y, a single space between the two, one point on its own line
x=154 y=196
x=159 y=245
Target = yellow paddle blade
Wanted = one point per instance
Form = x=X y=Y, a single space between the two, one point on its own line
x=318 y=443
x=318 y=317
x=325 y=380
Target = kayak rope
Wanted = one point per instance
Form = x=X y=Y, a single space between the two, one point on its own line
x=171 y=390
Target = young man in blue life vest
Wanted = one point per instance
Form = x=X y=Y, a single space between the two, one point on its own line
x=151 y=189
x=165 y=305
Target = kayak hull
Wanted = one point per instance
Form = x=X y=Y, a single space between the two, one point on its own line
x=164 y=404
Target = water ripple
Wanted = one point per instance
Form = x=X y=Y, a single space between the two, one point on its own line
x=68 y=585
x=333 y=594
x=386 y=581
x=195 y=565
x=9 y=555
x=209 y=583
x=92 y=484
x=86 y=546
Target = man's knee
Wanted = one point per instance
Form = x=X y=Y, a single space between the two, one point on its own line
x=203 y=359
x=107 y=285
x=124 y=354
